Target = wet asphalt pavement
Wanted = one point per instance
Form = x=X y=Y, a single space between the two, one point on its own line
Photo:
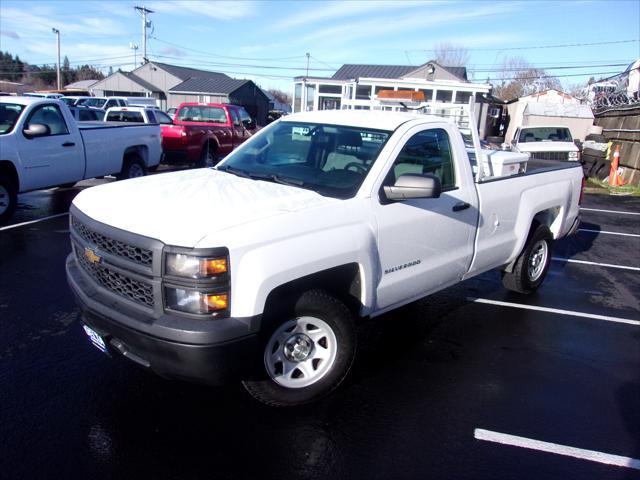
x=427 y=376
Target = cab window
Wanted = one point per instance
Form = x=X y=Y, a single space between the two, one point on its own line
x=51 y=116
x=235 y=117
x=426 y=152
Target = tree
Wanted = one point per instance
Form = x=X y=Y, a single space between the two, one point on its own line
x=517 y=77
x=68 y=75
x=450 y=54
x=281 y=96
x=11 y=69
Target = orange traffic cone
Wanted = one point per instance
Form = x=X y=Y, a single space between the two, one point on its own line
x=615 y=179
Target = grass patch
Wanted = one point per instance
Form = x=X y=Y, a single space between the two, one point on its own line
x=628 y=190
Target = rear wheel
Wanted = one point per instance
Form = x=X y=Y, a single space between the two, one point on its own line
x=132 y=167
x=532 y=265
x=208 y=157
x=8 y=198
x=308 y=352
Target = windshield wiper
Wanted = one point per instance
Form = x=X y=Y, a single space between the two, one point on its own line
x=285 y=181
x=235 y=171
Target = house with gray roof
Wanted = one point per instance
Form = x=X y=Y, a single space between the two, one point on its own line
x=432 y=88
x=172 y=85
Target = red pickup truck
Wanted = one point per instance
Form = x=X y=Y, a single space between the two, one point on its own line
x=203 y=133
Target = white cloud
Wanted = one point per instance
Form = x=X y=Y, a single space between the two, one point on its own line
x=26 y=23
x=323 y=11
x=9 y=34
x=219 y=10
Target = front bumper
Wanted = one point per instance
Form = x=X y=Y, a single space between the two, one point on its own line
x=218 y=351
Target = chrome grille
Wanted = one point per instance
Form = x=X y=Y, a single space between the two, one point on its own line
x=129 y=288
x=562 y=156
x=141 y=256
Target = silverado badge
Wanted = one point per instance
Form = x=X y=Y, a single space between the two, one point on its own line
x=92 y=256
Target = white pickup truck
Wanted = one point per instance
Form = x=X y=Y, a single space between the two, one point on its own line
x=41 y=146
x=546 y=144
x=258 y=269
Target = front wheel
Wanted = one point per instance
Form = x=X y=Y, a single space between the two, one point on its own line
x=532 y=265
x=8 y=198
x=307 y=354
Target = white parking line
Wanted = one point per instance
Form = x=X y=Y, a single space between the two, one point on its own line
x=586 y=230
x=591 y=455
x=571 y=313
x=584 y=262
x=32 y=221
x=608 y=211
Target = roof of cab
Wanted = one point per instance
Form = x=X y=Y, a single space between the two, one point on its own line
x=378 y=120
x=26 y=100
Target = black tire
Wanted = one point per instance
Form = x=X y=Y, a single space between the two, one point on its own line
x=495 y=140
x=8 y=198
x=132 y=167
x=532 y=265
x=592 y=152
x=208 y=157
x=279 y=389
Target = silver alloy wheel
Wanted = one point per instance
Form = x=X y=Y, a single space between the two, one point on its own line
x=537 y=260
x=135 y=170
x=4 y=199
x=300 y=352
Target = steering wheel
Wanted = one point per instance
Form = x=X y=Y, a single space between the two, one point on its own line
x=358 y=167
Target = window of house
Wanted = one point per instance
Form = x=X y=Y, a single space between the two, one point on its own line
x=311 y=95
x=463 y=97
x=335 y=89
x=428 y=151
x=428 y=94
x=297 y=98
x=444 y=96
x=363 y=92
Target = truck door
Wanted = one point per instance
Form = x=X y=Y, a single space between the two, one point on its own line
x=237 y=127
x=425 y=244
x=53 y=159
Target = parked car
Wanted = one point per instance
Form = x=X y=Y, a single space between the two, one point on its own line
x=546 y=143
x=258 y=269
x=42 y=146
x=86 y=114
x=137 y=114
x=72 y=101
x=202 y=133
x=104 y=103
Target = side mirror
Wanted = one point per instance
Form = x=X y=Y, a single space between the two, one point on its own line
x=249 y=124
x=413 y=185
x=34 y=130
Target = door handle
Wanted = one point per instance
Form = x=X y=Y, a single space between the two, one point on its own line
x=68 y=144
x=461 y=206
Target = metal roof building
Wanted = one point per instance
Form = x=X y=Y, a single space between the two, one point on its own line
x=171 y=85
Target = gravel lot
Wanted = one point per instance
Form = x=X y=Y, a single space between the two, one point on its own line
x=440 y=389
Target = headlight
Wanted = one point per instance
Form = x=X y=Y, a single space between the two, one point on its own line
x=194 y=301
x=574 y=156
x=190 y=266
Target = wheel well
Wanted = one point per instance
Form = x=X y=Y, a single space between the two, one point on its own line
x=211 y=143
x=342 y=282
x=7 y=168
x=548 y=217
x=139 y=150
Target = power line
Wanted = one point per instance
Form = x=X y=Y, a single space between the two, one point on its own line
x=565 y=45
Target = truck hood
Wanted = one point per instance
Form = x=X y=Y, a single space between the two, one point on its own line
x=183 y=207
x=547 y=147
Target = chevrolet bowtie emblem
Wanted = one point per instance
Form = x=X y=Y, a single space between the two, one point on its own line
x=92 y=256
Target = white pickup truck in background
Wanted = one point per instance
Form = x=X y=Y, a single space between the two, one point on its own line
x=546 y=144
x=42 y=146
x=259 y=268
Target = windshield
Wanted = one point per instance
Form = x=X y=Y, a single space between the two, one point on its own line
x=328 y=159
x=9 y=114
x=199 y=113
x=545 y=134
x=94 y=102
x=69 y=101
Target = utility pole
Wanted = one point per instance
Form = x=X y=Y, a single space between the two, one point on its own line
x=143 y=11
x=57 y=32
x=308 y=55
x=134 y=46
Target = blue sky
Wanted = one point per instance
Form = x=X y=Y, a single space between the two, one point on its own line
x=267 y=40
